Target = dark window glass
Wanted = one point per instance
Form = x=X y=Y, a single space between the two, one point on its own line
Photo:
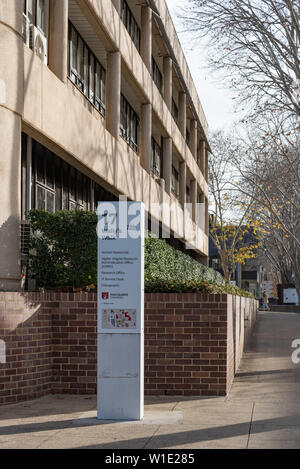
x=175 y=182
x=188 y=195
x=79 y=188
x=73 y=183
x=41 y=202
x=174 y=111
x=129 y=124
x=58 y=179
x=188 y=137
x=131 y=24
x=50 y=168
x=40 y=170
x=50 y=202
x=156 y=158
x=85 y=70
x=65 y=188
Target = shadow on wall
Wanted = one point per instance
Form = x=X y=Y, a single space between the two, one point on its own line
x=26 y=331
x=10 y=254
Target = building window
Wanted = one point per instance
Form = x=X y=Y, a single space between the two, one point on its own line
x=188 y=137
x=174 y=111
x=85 y=70
x=129 y=125
x=156 y=165
x=131 y=24
x=56 y=184
x=175 y=182
x=188 y=195
x=157 y=76
x=35 y=13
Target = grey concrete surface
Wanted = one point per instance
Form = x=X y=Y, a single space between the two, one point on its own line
x=261 y=411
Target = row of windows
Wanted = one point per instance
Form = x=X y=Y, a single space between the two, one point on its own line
x=135 y=33
x=88 y=74
x=85 y=70
x=131 y=24
x=58 y=186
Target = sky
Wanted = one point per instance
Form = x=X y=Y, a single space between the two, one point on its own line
x=216 y=101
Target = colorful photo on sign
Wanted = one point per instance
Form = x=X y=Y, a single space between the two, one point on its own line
x=118 y=318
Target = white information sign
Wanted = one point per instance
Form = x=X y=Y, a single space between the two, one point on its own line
x=120 y=310
x=290 y=296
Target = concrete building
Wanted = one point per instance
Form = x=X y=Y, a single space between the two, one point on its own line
x=96 y=101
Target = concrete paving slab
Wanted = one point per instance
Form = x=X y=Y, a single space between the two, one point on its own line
x=186 y=436
x=258 y=443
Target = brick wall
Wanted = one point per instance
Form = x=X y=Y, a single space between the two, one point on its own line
x=74 y=343
x=185 y=344
x=193 y=343
x=26 y=329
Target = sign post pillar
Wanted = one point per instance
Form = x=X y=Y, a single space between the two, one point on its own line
x=121 y=310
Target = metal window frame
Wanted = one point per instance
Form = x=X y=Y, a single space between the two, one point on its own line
x=157 y=75
x=131 y=24
x=131 y=120
x=92 y=63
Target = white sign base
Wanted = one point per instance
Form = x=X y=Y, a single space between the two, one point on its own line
x=120 y=386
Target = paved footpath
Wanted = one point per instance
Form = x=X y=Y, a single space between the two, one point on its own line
x=262 y=410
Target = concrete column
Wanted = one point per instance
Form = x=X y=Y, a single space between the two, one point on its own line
x=201 y=157
x=182 y=183
x=146 y=134
x=193 y=145
x=193 y=190
x=117 y=5
x=167 y=164
x=168 y=81
x=11 y=108
x=146 y=36
x=113 y=93
x=58 y=38
x=182 y=113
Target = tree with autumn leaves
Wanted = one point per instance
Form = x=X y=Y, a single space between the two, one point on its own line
x=255 y=182
x=233 y=230
x=269 y=172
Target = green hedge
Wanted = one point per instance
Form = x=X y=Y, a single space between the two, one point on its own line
x=169 y=271
x=64 y=255
x=64 y=249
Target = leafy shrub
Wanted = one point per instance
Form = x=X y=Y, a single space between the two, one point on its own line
x=171 y=271
x=64 y=249
x=64 y=255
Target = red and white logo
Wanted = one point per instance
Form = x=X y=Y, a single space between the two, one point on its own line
x=105 y=296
